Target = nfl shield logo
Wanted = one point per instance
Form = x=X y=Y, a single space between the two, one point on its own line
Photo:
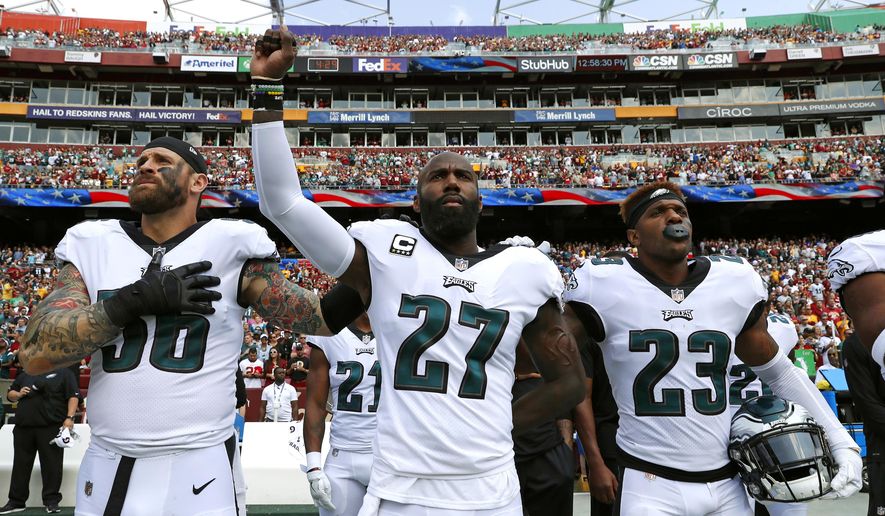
x=461 y=264
x=677 y=294
x=366 y=339
x=88 y=488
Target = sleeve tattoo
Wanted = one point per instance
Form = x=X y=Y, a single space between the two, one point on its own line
x=284 y=303
x=65 y=326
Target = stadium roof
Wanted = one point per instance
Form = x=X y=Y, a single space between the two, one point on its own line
x=408 y=12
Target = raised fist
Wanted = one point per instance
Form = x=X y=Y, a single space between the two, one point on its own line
x=274 y=54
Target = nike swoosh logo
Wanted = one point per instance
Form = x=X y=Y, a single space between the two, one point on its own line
x=198 y=490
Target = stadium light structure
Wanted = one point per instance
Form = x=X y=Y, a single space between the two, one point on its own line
x=604 y=10
x=553 y=10
x=52 y=6
x=279 y=11
x=816 y=6
x=167 y=8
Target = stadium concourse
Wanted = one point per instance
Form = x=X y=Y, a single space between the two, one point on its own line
x=774 y=126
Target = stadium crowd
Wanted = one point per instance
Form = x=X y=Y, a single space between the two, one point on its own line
x=666 y=39
x=107 y=39
x=616 y=166
x=190 y=41
x=794 y=269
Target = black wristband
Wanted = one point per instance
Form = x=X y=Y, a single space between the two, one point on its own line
x=267 y=95
x=116 y=312
x=340 y=306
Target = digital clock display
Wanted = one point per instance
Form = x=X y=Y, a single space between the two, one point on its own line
x=601 y=63
x=322 y=64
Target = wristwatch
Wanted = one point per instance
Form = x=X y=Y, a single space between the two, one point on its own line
x=69 y=417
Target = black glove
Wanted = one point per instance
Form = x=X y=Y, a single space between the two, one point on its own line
x=165 y=292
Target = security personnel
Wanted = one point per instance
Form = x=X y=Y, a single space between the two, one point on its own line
x=46 y=402
x=868 y=392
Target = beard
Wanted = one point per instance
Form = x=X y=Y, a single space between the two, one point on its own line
x=672 y=251
x=163 y=197
x=448 y=222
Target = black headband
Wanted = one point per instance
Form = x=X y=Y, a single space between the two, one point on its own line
x=185 y=150
x=654 y=196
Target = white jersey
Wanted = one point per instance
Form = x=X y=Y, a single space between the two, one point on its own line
x=856 y=256
x=354 y=386
x=744 y=384
x=279 y=400
x=666 y=350
x=447 y=330
x=166 y=383
x=249 y=367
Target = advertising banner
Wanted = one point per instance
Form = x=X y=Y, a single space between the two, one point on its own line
x=73 y=56
x=691 y=25
x=860 y=50
x=305 y=64
x=564 y=115
x=804 y=53
x=380 y=64
x=124 y=114
x=730 y=111
x=462 y=64
x=833 y=106
x=711 y=60
x=359 y=117
x=601 y=63
x=244 y=61
x=197 y=28
x=209 y=63
x=563 y=64
x=116 y=198
x=654 y=62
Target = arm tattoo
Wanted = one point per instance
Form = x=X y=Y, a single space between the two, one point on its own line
x=559 y=347
x=284 y=303
x=65 y=327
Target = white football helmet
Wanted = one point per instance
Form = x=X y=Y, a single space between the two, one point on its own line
x=781 y=452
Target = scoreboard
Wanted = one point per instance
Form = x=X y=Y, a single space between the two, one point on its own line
x=601 y=63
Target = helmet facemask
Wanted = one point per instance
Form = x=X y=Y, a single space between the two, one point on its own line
x=781 y=457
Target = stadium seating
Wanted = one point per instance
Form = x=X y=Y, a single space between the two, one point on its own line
x=610 y=166
x=97 y=38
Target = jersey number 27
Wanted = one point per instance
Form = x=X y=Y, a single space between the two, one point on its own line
x=491 y=324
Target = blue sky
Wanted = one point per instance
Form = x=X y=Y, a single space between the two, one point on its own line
x=423 y=12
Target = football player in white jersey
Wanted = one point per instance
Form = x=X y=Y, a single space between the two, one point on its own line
x=856 y=269
x=164 y=338
x=346 y=368
x=745 y=385
x=668 y=327
x=447 y=316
